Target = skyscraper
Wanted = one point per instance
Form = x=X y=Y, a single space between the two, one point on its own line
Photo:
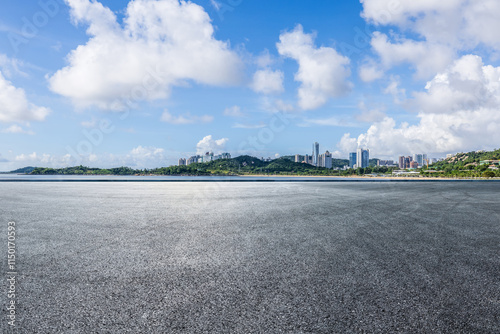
x=192 y=160
x=362 y=158
x=327 y=160
x=419 y=158
x=401 y=162
x=315 y=154
x=352 y=159
x=404 y=162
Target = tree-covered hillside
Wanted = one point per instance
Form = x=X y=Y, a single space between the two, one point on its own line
x=24 y=170
x=82 y=170
x=471 y=164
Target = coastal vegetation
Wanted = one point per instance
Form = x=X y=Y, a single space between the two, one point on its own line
x=24 y=170
x=471 y=164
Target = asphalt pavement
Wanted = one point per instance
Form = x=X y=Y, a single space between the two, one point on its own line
x=419 y=257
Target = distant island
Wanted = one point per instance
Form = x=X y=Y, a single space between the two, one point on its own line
x=24 y=170
x=471 y=164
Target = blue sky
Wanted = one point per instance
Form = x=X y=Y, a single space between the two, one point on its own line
x=144 y=83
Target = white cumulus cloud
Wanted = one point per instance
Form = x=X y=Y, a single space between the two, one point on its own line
x=370 y=71
x=444 y=28
x=458 y=111
x=14 y=105
x=208 y=144
x=268 y=81
x=160 y=44
x=426 y=57
x=465 y=86
x=323 y=72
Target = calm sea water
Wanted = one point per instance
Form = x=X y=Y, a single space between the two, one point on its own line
x=232 y=257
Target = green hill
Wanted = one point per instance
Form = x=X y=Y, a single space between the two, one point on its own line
x=24 y=170
x=470 y=164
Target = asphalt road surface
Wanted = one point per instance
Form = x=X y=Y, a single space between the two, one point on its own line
x=384 y=257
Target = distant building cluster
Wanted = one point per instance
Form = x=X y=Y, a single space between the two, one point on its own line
x=359 y=159
x=417 y=161
x=207 y=157
x=316 y=159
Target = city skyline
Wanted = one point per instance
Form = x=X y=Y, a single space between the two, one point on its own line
x=141 y=83
x=359 y=159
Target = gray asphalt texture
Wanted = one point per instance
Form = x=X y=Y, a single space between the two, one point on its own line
x=418 y=257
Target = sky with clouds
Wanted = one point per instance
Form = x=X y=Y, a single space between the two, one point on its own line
x=146 y=82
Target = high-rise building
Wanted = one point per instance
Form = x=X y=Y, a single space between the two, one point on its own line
x=352 y=159
x=192 y=160
x=404 y=162
x=298 y=158
x=417 y=158
x=420 y=158
x=315 y=154
x=182 y=162
x=207 y=157
x=401 y=162
x=362 y=158
x=325 y=160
